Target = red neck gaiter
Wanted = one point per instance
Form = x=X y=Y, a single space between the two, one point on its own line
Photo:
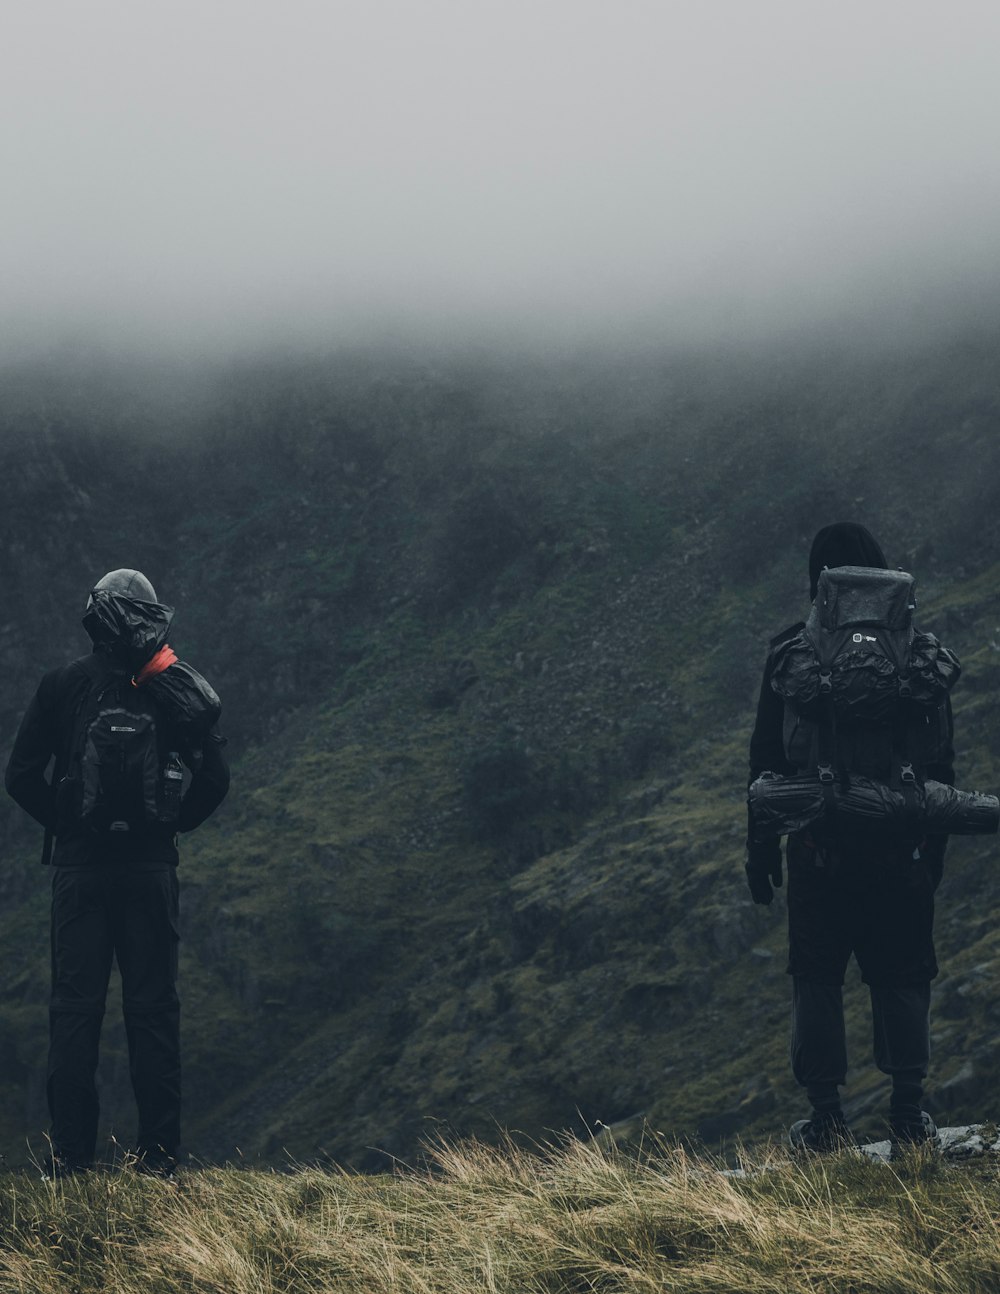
x=163 y=659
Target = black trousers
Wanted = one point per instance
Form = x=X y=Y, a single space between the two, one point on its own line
x=100 y=913
x=900 y=1025
x=875 y=902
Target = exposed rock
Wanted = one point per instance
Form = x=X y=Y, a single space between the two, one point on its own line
x=963 y=1142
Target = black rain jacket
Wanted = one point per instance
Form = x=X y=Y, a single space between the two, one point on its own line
x=46 y=733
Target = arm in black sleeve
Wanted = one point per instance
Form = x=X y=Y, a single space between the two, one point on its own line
x=34 y=746
x=209 y=783
x=767 y=752
x=767 y=744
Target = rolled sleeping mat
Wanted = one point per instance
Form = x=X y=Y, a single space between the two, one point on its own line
x=779 y=805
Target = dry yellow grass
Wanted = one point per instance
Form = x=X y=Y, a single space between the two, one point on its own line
x=572 y=1218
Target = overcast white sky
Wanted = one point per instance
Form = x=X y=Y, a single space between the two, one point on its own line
x=213 y=167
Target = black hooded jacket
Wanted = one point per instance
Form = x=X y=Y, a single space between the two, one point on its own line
x=845 y=543
x=46 y=733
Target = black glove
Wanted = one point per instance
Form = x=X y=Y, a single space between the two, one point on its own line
x=763 y=869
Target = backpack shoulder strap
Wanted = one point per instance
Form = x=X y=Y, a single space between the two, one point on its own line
x=98 y=679
x=90 y=667
x=96 y=675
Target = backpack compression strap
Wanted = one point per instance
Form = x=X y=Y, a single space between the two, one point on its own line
x=903 y=762
x=827 y=730
x=827 y=745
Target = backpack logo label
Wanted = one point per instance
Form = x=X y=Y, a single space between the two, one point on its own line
x=122 y=728
x=863 y=638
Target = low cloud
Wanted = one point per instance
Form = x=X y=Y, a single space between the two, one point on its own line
x=204 y=174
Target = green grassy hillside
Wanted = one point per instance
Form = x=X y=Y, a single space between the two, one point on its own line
x=488 y=636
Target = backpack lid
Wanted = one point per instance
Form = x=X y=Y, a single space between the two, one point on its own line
x=863 y=595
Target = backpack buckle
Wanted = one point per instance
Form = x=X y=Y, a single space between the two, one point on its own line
x=826 y=775
x=905 y=687
x=825 y=681
x=907 y=775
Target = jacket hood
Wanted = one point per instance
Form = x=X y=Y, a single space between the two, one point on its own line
x=124 y=619
x=845 y=543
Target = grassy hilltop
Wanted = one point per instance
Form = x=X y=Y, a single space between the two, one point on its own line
x=573 y=1219
x=488 y=635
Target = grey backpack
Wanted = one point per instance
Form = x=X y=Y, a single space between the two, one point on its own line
x=864 y=692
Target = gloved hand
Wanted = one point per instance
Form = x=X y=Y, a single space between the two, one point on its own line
x=763 y=869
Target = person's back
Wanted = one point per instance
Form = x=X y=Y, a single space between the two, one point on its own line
x=851 y=890
x=114 y=806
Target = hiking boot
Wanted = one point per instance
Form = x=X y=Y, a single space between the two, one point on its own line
x=911 y=1128
x=821 y=1134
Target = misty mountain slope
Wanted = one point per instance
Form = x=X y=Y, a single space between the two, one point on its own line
x=610 y=977
x=488 y=643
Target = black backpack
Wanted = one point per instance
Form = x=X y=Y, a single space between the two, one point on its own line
x=120 y=774
x=864 y=692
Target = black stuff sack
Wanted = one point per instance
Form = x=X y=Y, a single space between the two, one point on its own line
x=187 y=698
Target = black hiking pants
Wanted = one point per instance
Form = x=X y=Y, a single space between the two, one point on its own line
x=875 y=902
x=100 y=913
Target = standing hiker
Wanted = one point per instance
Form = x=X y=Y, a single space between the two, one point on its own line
x=856 y=889
x=121 y=725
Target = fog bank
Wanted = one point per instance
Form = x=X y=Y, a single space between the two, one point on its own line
x=236 y=174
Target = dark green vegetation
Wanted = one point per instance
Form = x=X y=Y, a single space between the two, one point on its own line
x=488 y=634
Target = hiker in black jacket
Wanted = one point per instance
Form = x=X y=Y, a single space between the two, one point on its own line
x=114 y=879
x=851 y=894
